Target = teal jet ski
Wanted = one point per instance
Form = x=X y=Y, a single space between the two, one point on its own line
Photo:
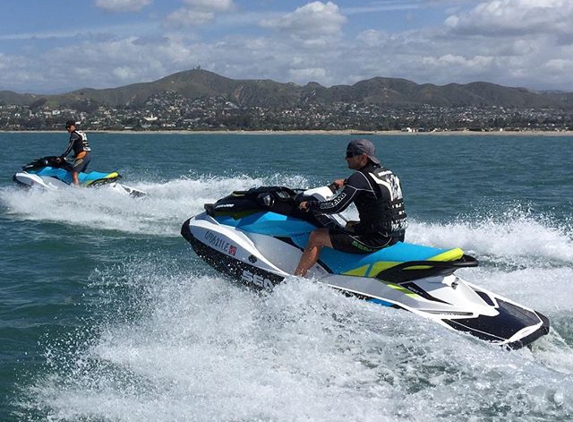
x=52 y=173
x=257 y=237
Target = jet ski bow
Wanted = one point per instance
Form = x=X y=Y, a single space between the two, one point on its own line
x=257 y=237
x=51 y=173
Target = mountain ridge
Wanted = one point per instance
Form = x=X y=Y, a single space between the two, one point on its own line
x=391 y=92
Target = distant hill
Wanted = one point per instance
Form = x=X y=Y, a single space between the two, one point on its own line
x=9 y=97
x=392 y=92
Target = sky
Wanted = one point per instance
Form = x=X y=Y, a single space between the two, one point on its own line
x=56 y=46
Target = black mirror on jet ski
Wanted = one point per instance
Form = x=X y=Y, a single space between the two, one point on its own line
x=257 y=237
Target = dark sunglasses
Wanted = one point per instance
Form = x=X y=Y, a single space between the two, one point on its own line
x=350 y=154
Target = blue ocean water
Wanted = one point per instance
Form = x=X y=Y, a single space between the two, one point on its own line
x=107 y=315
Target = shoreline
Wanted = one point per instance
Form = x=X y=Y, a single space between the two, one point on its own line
x=314 y=132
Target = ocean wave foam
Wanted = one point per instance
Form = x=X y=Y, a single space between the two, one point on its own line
x=197 y=347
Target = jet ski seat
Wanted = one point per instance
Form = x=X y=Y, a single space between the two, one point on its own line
x=397 y=263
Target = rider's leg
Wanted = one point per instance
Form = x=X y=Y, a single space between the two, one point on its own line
x=318 y=238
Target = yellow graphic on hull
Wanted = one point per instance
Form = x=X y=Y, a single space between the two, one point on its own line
x=371 y=270
x=113 y=175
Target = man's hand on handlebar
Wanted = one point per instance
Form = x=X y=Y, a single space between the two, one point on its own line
x=337 y=184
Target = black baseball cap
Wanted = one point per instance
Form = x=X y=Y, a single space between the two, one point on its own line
x=70 y=123
x=362 y=146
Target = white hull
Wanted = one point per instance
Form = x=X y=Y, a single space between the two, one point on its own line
x=263 y=261
x=52 y=183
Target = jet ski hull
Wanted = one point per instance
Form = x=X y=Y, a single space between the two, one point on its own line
x=262 y=262
x=50 y=174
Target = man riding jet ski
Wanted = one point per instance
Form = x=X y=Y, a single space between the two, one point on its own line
x=257 y=237
x=78 y=143
x=54 y=173
x=377 y=194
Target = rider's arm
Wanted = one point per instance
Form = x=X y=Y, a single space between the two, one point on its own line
x=73 y=138
x=335 y=205
x=355 y=183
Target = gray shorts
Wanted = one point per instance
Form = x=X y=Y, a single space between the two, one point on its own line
x=81 y=164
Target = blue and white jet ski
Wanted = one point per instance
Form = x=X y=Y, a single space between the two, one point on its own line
x=51 y=174
x=257 y=237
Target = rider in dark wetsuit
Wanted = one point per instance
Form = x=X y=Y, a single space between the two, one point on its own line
x=377 y=194
x=82 y=151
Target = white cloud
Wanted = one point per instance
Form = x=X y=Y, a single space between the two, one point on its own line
x=515 y=17
x=122 y=5
x=449 y=61
x=373 y=38
x=385 y=6
x=189 y=17
x=314 y=24
x=199 y=12
x=123 y=73
x=308 y=74
x=559 y=66
x=211 y=5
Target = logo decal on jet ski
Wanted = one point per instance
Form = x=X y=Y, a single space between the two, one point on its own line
x=257 y=280
x=220 y=243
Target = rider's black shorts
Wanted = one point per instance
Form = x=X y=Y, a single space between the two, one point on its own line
x=360 y=244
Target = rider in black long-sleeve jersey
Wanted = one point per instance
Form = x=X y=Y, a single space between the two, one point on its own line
x=377 y=194
x=82 y=151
